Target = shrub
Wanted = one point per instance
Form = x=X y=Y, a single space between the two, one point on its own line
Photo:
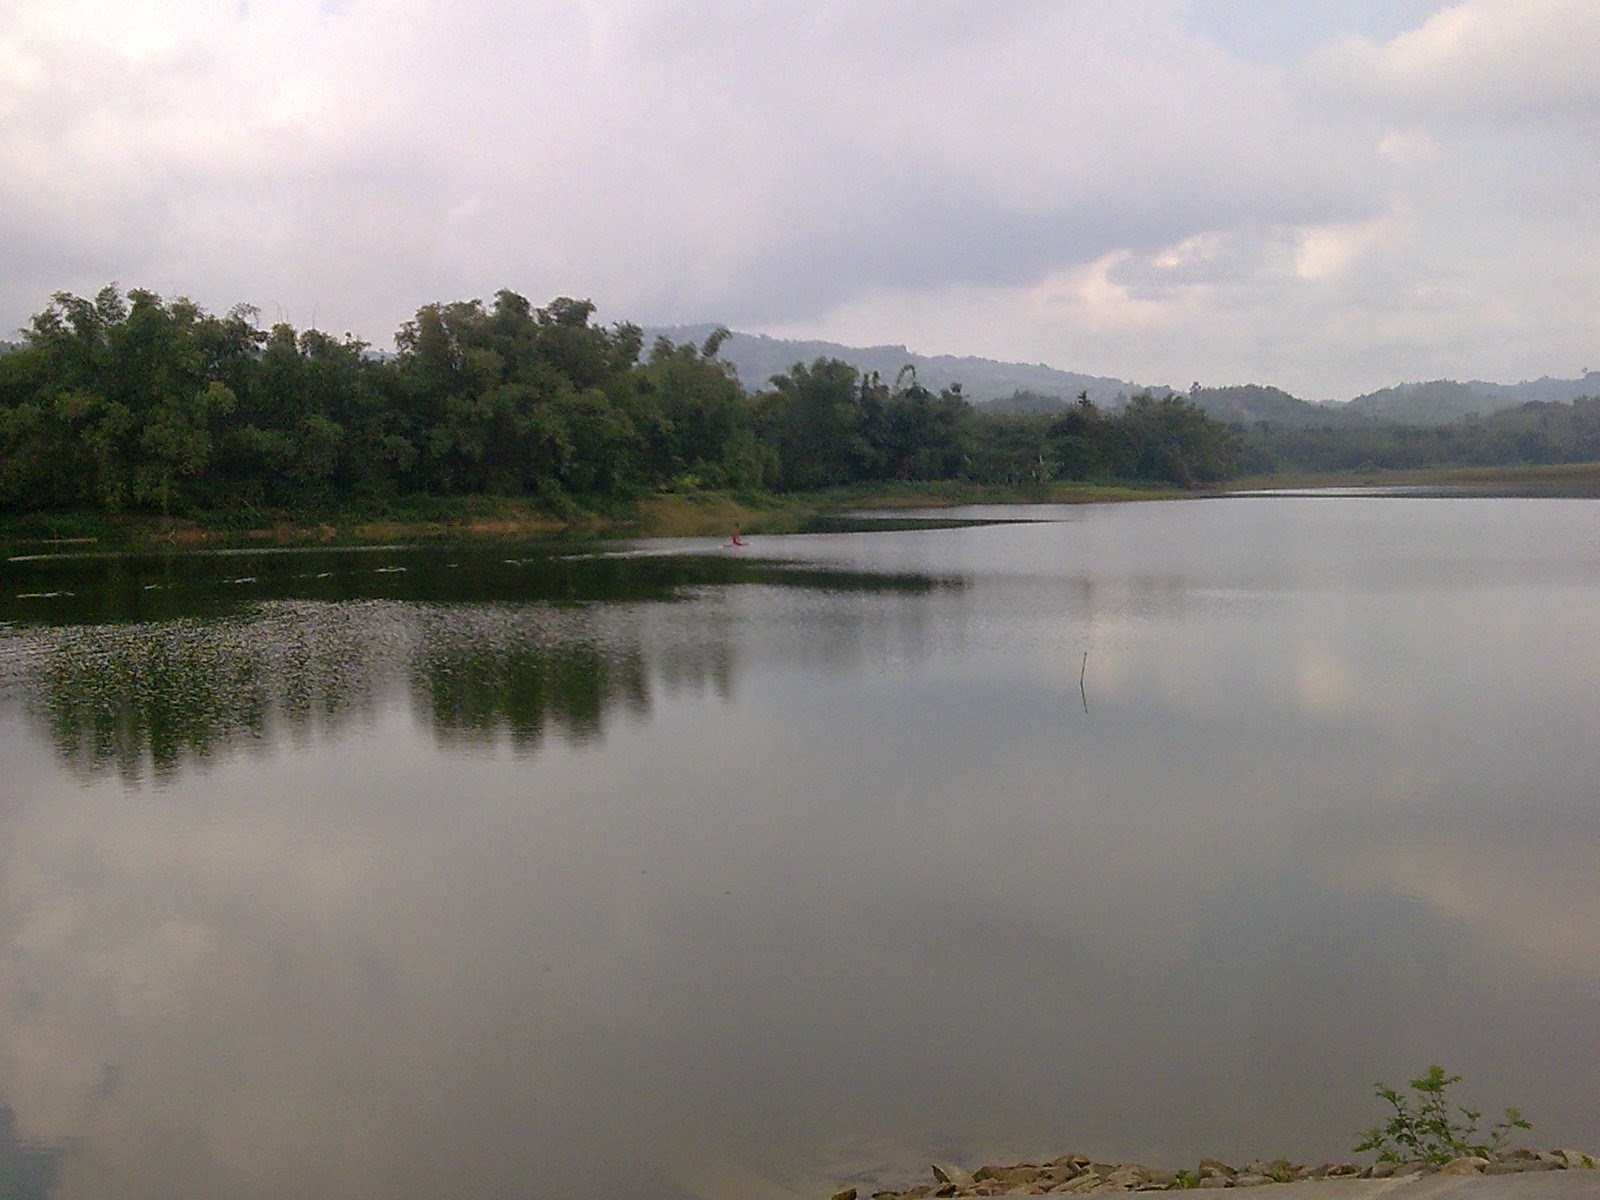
x=1430 y=1132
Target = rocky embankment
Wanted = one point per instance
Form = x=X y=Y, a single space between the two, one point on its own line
x=1077 y=1174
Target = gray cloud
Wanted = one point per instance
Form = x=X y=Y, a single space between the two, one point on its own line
x=948 y=166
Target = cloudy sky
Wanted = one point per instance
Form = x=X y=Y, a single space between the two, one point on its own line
x=1329 y=196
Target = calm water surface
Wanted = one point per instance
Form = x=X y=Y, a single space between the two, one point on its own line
x=674 y=870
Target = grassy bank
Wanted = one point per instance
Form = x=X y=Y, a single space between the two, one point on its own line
x=675 y=514
x=1572 y=480
x=683 y=514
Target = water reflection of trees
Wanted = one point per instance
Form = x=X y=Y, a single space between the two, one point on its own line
x=143 y=702
x=523 y=691
x=144 y=665
x=146 y=700
x=28 y=1169
x=480 y=674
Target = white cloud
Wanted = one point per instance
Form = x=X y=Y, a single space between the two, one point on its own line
x=1325 y=251
x=1488 y=60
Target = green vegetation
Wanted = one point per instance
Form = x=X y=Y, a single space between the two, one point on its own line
x=1431 y=1132
x=1562 y=479
x=1537 y=433
x=128 y=405
x=129 y=418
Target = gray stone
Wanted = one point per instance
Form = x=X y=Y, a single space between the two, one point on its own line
x=1579 y=1160
x=846 y=1194
x=1467 y=1164
x=1279 y=1170
x=946 y=1173
x=1252 y=1179
x=1058 y=1172
x=1023 y=1173
x=1128 y=1176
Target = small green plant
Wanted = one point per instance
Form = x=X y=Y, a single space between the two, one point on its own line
x=1430 y=1132
x=1185 y=1180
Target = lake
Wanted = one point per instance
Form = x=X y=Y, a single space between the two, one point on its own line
x=678 y=870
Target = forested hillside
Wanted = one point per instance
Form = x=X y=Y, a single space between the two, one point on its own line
x=132 y=403
x=983 y=381
x=1441 y=401
x=1532 y=434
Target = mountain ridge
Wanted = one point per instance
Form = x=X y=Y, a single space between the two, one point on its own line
x=757 y=357
x=1038 y=387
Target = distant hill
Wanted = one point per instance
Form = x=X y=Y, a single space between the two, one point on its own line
x=1037 y=388
x=1436 y=402
x=758 y=358
x=1441 y=401
x=1250 y=403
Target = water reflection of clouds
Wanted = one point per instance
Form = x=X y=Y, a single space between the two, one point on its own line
x=28 y=1168
x=1528 y=885
x=697 y=950
x=904 y=883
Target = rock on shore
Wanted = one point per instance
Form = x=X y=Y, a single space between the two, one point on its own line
x=1078 y=1174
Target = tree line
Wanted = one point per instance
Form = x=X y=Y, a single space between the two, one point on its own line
x=1538 y=433
x=128 y=402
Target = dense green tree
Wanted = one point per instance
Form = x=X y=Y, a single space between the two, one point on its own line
x=1083 y=442
x=704 y=433
x=118 y=401
x=913 y=433
x=1013 y=449
x=516 y=399
x=814 y=418
x=1169 y=439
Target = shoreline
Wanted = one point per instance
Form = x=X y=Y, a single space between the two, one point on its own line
x=702 y=514
x=1078 y=1174
x=664 y=515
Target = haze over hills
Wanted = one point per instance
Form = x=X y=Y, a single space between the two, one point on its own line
x=758 y=358
x=1036 y=387
x=1442 y=400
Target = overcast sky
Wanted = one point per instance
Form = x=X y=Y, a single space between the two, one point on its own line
x=1329 y=196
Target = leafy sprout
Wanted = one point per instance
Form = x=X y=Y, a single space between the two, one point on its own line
x=1425 y=1127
